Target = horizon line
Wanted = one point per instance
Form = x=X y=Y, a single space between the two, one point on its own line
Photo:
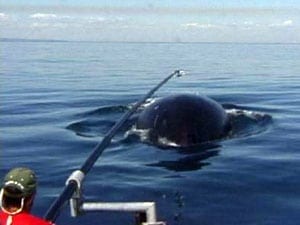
x=141 y=42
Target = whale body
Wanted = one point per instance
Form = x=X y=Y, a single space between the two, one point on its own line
x=184 y=120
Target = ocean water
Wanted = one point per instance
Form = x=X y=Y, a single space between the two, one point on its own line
x=58 y=99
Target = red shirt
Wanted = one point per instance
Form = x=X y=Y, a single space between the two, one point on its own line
x=22 y=218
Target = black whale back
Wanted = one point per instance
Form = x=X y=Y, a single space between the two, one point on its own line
x=184 y=119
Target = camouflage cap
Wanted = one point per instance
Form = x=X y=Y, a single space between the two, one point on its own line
x=21 y=179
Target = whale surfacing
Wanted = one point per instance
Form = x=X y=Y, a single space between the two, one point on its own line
x=184 y=119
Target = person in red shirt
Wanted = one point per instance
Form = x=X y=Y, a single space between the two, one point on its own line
x=16 y=198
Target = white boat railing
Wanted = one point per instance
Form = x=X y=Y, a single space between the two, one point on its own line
x=145 y=211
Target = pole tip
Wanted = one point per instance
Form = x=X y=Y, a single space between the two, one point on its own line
x=179 y=73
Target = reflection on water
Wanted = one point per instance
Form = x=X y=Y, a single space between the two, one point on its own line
x=194 y=161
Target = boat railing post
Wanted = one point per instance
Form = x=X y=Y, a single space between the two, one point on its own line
x=76 y=200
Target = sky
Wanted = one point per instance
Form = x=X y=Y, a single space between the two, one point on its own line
x=255 y=21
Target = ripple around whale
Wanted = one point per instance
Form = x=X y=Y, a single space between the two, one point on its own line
x=93 y=123
x=106 y=110
x=90 y=127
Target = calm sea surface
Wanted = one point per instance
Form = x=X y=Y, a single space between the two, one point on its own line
x=58 y=99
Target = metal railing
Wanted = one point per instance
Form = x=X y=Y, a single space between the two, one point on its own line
x=145 y=211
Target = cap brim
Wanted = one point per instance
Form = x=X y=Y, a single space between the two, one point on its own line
x=13 y=191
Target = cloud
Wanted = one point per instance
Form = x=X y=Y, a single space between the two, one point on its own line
x=199 y=25
x=74 y=19
x=3 y=16
x=249 y=23
x=46 y=25
x=51 y=16
x=95 y=19
x=49 y=22
x=69 y=23
x=43 y=16
x=286 y=23
x=245 y=25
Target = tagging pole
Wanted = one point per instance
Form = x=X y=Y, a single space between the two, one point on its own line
x=68 y=191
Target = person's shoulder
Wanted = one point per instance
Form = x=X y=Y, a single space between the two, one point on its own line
x=3 y=217
x=2 y=213
x=35 y=220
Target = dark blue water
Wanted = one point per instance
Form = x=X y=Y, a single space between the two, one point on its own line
x=58 y=99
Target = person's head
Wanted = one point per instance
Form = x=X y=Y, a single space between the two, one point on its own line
x=18 y=190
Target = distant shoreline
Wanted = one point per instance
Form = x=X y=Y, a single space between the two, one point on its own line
x=140 y=42
x=29 y=40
